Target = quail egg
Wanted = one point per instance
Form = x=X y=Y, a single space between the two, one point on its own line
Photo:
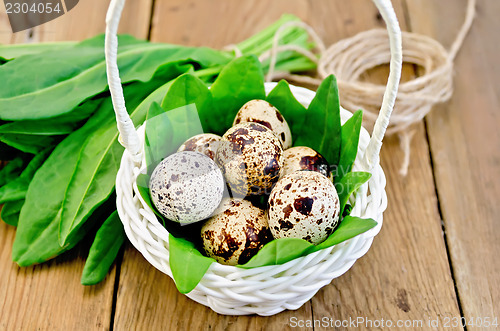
x=186 y=187
x=262 y=112
x=303 y=204
x=205 y=143
x=304 y=158
x=236 y=232
x=250 y=156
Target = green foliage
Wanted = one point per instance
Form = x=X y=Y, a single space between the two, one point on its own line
x=81 y=173
x=293 y=111
x=348 y=184
x=349 y=145
x=321 y=127
x=283 y=250
x=12 y=170
x=104 y=250
x=57 y=106
x=318 y=126
x=188 y=89
x=349 y=228
x=61 y=79
x=187 y=263
x=10 y=212
x=240 y=81
x=37 y=234
x=17 y=187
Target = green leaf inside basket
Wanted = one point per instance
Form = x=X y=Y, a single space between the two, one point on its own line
x=283 y=250
x=318 y=126
x=349 y=228
x=188 y=89
x=348 y=185
x=321 y=129
x=293 y=111
x=167 y=130
x=349 y=144
x=240 y=81
x=187 y=263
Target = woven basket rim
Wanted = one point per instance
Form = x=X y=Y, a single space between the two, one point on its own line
x=273 y=288
x=216 y=266
x=319 y=267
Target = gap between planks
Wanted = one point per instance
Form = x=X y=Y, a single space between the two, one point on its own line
x=38 y=295
x=418 y=72
x=443 y=225
x=465 y=143
x=390 y=152
x=162 y=31
x=150 y=33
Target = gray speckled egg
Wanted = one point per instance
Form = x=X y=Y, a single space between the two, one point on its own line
x=303 y=204
x=205 y=143
x=186 y=187
x=236 y=233
x=262 y=112
x=304 y=158
x=250 y=156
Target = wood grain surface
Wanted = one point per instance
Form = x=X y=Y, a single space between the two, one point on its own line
x=436 y=256
x=465 y=143
x=405 y=276
x=84 y=21
x=49 y=296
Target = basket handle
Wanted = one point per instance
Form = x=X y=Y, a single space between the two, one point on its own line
x=128 y=135
x=372 y=153
x=130 y=139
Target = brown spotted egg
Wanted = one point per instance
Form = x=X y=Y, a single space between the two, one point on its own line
x=250 y=156
x=236 y=233
x=304 y=158
x=186 y=187
x=262 y=112
x=205 y=143
x=303 y=204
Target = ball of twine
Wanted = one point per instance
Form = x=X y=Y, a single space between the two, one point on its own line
x=349 y=58
x=352 y=57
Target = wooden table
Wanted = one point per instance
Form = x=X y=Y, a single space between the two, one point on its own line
x=436 y=257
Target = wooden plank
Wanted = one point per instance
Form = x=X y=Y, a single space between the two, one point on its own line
x=217 y=23
x=148 y=299
x=399 y=284
x=405 y=275
x=393 y=281
x=193 y=23
x=465 y=145
x=86 y=20
x=49 y=296
x=5 y=30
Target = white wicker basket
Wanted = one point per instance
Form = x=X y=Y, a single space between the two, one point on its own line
x=263 y=290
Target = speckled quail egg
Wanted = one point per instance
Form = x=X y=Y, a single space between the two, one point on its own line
x=186 y=187
x=262 y=112
x=250 y=156
x=205 y=143
x=236 y=232
x=304 y=158
x=303 y=204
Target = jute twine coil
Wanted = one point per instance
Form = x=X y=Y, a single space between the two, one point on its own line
x=349 y=58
